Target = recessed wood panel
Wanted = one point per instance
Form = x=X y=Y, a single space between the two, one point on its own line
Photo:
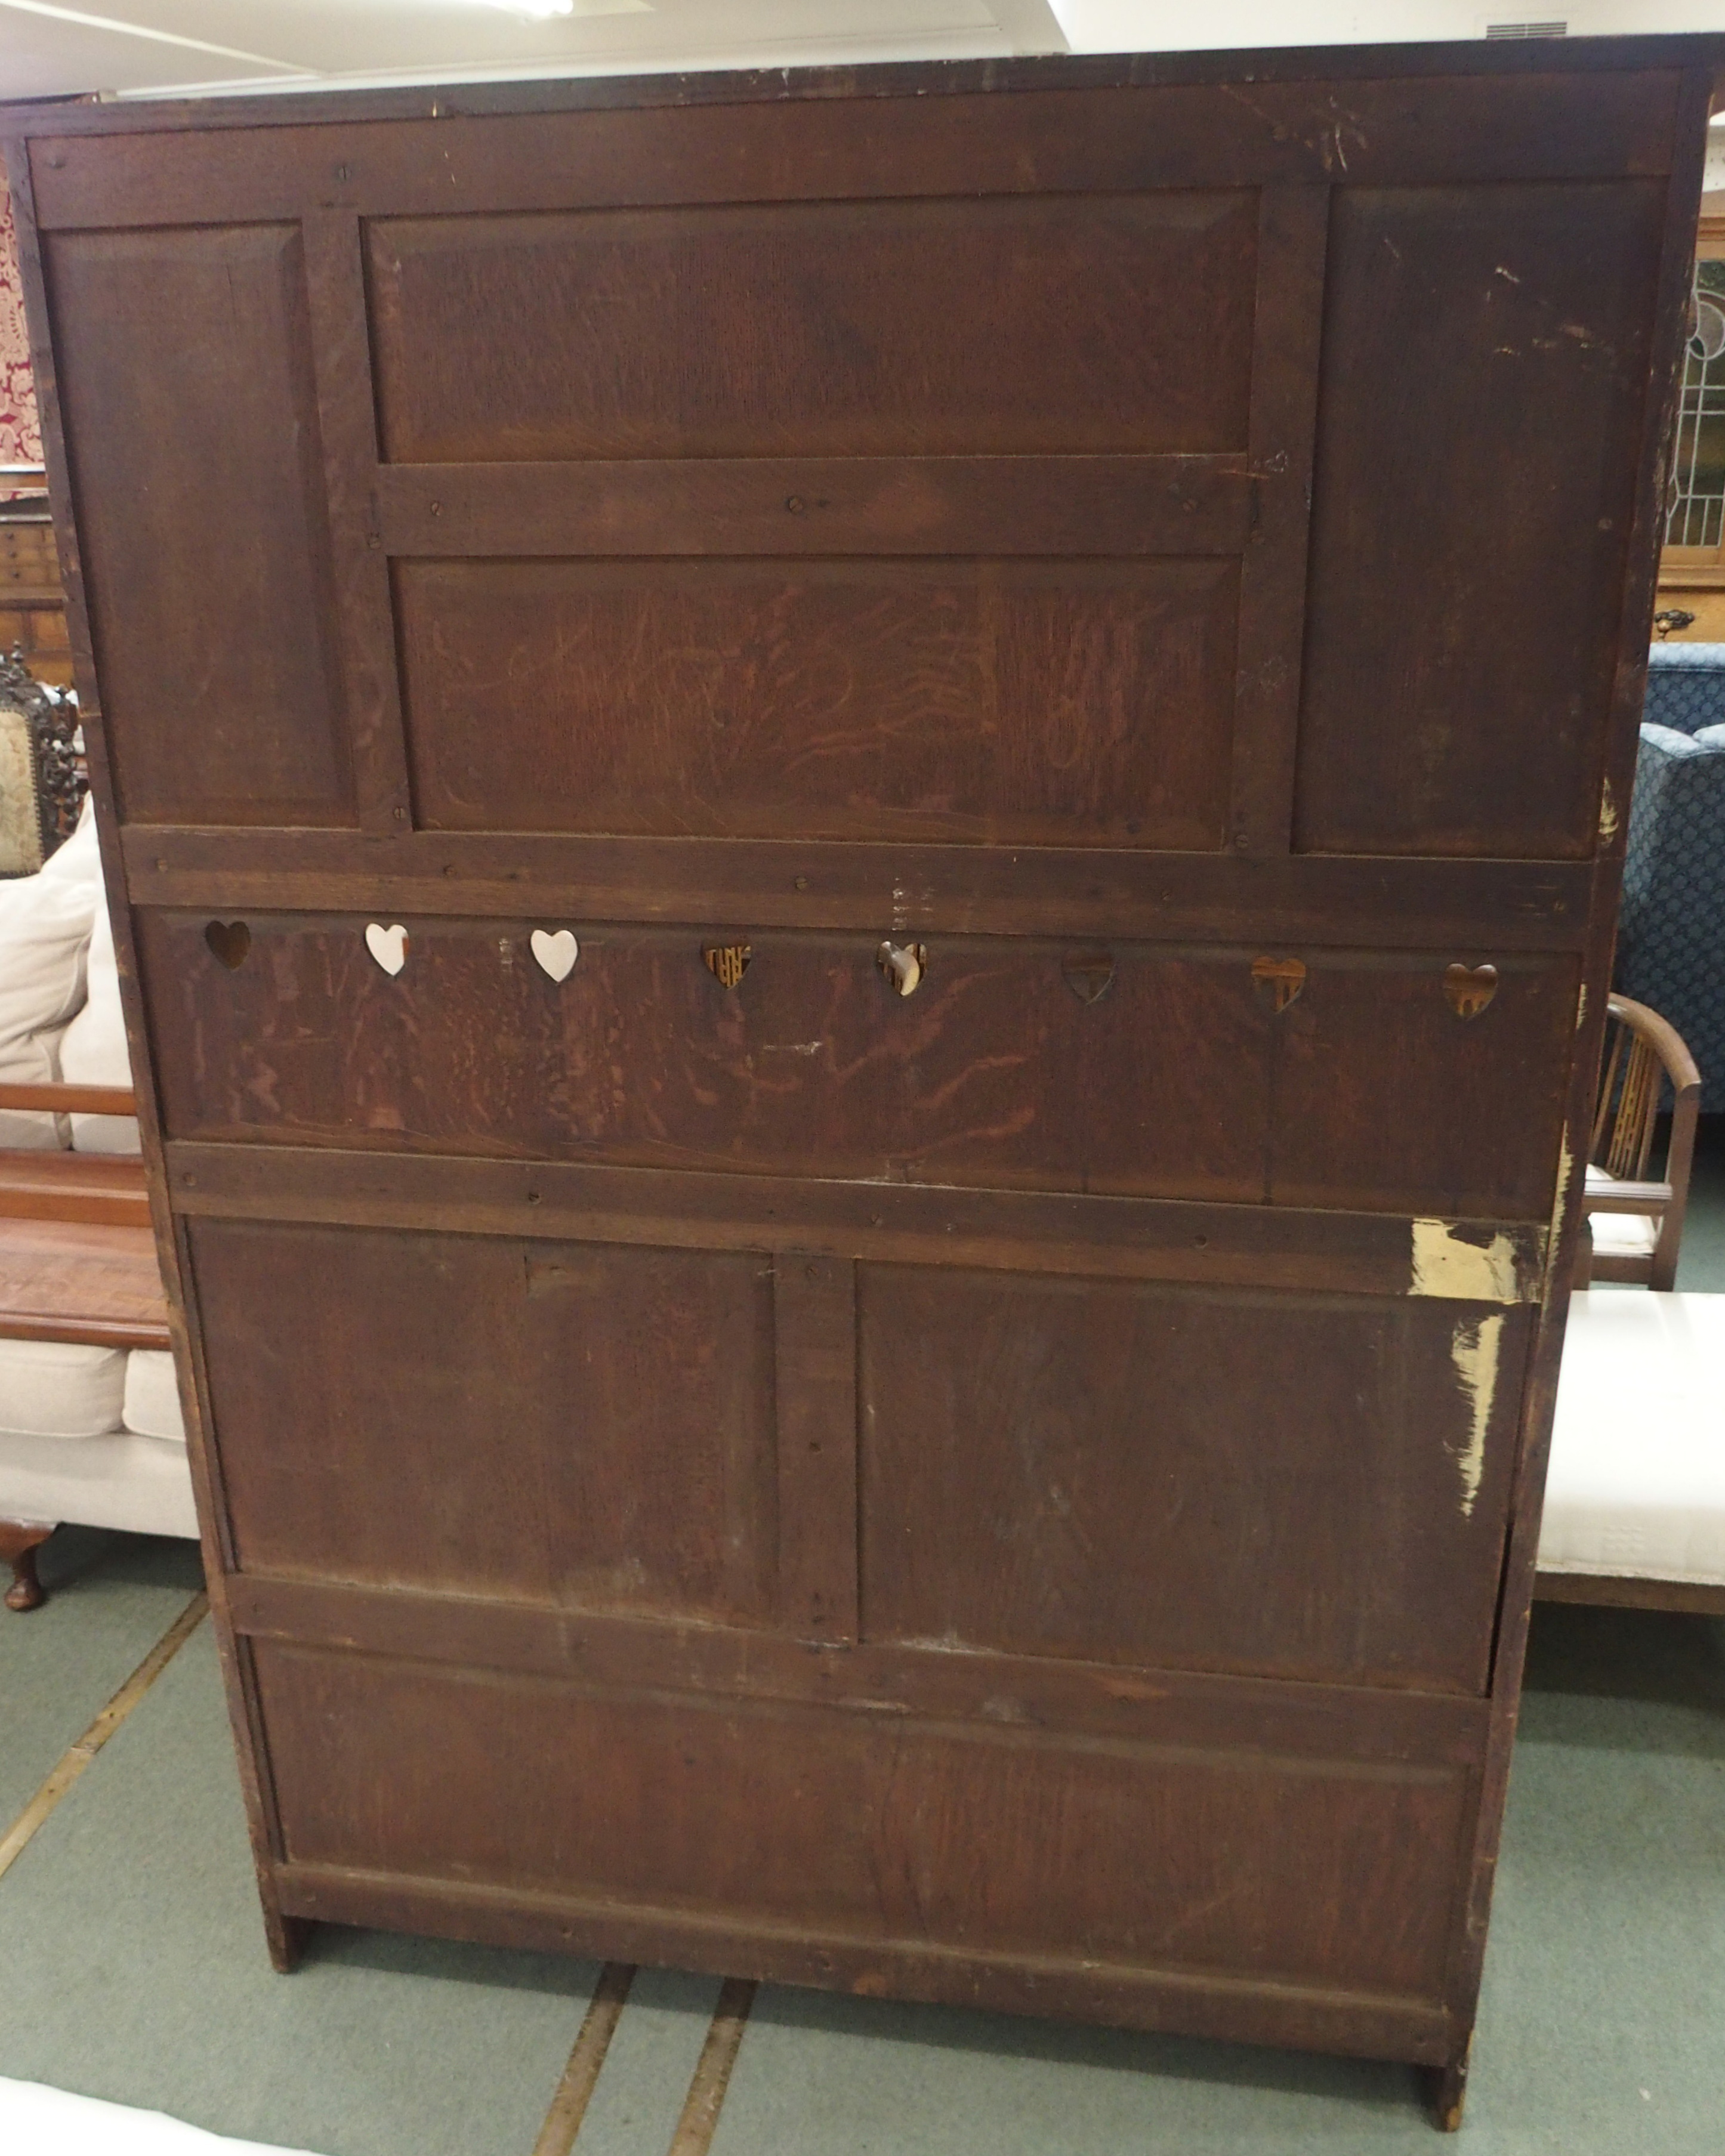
x=993 y=1072
x=818 y=1820
x=185 y=365
x=1008 y=325
x=586 y=1425
x=1290 y=1485
x=1387 y=1099
x=1053 y=702
x=1484 y=395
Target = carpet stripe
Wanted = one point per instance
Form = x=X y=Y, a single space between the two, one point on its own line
x=77 y=1756
x=712 y=2071
x=569 y=2106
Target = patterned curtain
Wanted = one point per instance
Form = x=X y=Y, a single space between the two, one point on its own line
x=20 y=436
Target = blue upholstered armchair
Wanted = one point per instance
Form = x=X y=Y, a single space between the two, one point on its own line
x=1670 y=942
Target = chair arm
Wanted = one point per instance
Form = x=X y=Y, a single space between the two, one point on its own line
x=1628 y=1198
x=1668 y=1045
x=62 y=1100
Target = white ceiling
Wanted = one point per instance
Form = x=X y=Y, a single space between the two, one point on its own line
x=153 y=47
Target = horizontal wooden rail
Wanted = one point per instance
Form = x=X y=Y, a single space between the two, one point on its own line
x=72 y=1099
x=1628 y=1197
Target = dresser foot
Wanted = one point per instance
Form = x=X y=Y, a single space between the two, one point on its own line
x=1447 y=2091
x=286 y=1937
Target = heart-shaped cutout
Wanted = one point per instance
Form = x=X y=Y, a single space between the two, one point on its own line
x=230 y=940
x=1090 y=975
x=387 y=946
x=904 y=965
x=1467 y=989
x=556 y=952
x=1283 y=979
x=727 y=963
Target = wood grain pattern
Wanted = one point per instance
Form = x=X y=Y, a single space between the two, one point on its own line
x=362 y=656
x=993 y=1074
x=831 y=136
x=1293 y=236
x=1105 y=506
x=1171 y=1707
x=1478 y=1104
x=1180 y=1082
x=70 y=1186
x=1193 y=2001
x=929 y=1836
x=1003 y=703
x=1459 y=667
x=1141 y=1474
x=1081 y=892
x=175 y=428
x=870 y=330
x=79 y=1281
x=1249 y=1245
x=814 y=1323
x=633 y=1390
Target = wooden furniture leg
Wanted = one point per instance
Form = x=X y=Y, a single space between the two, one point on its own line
x=1447 y=2089
x=286 y=1938
x=19 y=1540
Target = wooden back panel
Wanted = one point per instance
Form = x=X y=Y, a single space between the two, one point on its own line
x=1174 y=546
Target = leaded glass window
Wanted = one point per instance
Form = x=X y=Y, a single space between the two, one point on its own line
x=1696 y=513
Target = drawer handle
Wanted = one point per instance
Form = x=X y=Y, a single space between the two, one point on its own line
x=903 y=966
x=1467 y=989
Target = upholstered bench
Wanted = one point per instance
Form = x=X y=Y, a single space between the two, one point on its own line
x=1634 y=1498
x=90 y=1413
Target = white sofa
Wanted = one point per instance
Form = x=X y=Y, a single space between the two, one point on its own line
x=88 y=1435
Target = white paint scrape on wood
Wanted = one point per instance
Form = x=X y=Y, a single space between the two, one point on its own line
x=1450 y=1261
x=1608 y=814
x=1474 y=1350
x=1566 y=1168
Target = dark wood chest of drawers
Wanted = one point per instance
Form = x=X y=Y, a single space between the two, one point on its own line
x=958 y=1406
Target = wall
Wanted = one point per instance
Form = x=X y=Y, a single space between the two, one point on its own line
x=32 y=614
x=20 y=438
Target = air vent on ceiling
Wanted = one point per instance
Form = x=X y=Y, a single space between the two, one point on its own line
x=1526 y=29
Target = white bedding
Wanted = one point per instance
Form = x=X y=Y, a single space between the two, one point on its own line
x=49 y=2121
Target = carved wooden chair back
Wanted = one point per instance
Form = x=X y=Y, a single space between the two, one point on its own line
x=1635 y=1220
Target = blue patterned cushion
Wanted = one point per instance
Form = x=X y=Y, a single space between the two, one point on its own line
x=1685 y=687
x=1670 y=940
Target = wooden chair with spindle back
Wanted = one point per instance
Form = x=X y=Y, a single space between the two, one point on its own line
x=1635 y=1224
